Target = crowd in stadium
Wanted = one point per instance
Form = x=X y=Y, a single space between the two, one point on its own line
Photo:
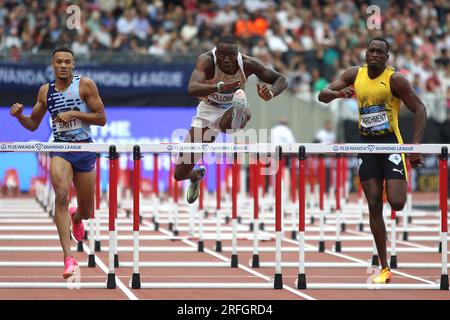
x=310 y=41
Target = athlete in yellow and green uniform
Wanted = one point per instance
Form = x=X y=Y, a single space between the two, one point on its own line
x=380 y=91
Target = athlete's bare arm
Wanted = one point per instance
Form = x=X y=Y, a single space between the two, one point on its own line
x=401 y=88
x=253 y=66
x=341 y=87
x=89 y=94
x=33 y=121
x=197 y=86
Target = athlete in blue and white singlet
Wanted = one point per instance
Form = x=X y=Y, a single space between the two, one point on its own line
x=74 y=130
x=74 y=104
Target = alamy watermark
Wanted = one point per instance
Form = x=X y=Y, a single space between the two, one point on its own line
x=73 y=20
x=74 y=282
x=374 y=20
x=267 y=160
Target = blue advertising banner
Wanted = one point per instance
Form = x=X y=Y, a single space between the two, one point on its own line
x=145 y=84
x=133 y=78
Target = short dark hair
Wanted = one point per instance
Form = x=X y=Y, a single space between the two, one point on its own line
x=227 y=39
x=380 y=39
x=62 y=49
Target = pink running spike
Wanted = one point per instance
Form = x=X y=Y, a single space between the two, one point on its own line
x=77 y=229
x=70 y=267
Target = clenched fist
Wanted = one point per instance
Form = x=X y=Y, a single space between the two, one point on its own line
x=416 y=160
x=64 y=117
x=16 y=110
x=264 y=92
x=347 y=92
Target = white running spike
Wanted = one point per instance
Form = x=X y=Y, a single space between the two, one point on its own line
x=239 y=105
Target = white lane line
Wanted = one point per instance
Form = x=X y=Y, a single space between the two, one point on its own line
x=365 y=262
x=105 y=269
x=392 y=270
x=223 y=258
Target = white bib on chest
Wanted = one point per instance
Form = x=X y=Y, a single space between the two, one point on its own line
x=224 y=99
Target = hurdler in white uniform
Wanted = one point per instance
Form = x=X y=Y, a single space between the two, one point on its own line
x=212 y=107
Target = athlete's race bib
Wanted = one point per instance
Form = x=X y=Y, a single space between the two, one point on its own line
x=374 y=118
x=73 y=127
x=221 y=100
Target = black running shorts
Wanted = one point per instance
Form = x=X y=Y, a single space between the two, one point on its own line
x=381 y=166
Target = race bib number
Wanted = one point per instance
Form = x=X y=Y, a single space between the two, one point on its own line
x=72 y=127
x=374 y=118
x=395 y=158
x=222 y=100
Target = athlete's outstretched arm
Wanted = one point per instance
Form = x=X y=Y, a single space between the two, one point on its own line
x=340 y=88
x=401 y=88
x=89 y=94
x=197 y=86
x=33 y=121
x=268 y=75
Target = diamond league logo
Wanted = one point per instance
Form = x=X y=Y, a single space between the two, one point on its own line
x=39 y=146
x=335 y=148
x=370 y=147
x=3 y=146
x=205 y=147
x=169 y=147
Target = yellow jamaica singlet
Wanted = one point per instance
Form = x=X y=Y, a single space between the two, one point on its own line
x=378 y=107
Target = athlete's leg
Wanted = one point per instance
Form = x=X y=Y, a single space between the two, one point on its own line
x=371 y=173
x=396 y=186
x=61 y=175
x=186 y=161
x=396 y=193
x=85 y=186
x=373 y=189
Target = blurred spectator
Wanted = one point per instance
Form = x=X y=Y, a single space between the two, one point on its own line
x=278 y=63
x=226 y=16
x=448 y=101
x=206 y=40
x=446 y=78
x=417 y=84
x=243 y=25
x=189 y=30
x=260 y=24
x=103 y=36
x=127 y=24
x=327 y=36
x=3 y=13
x=277 y=39
x=254 y=5
x=433 y=84
x=281 y=133
x=160 y=42
x=143 y=28
x=12 y=39
x=135 y=47
x=325 y=134
x=260 y=48
x=318 y=82
x=14 y=54
x=288 y=18
x=299 y=78
x=80 y=46
x=94 y=22
x=444 y=59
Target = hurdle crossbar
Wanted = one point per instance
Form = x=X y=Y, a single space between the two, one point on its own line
x=302 y=149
